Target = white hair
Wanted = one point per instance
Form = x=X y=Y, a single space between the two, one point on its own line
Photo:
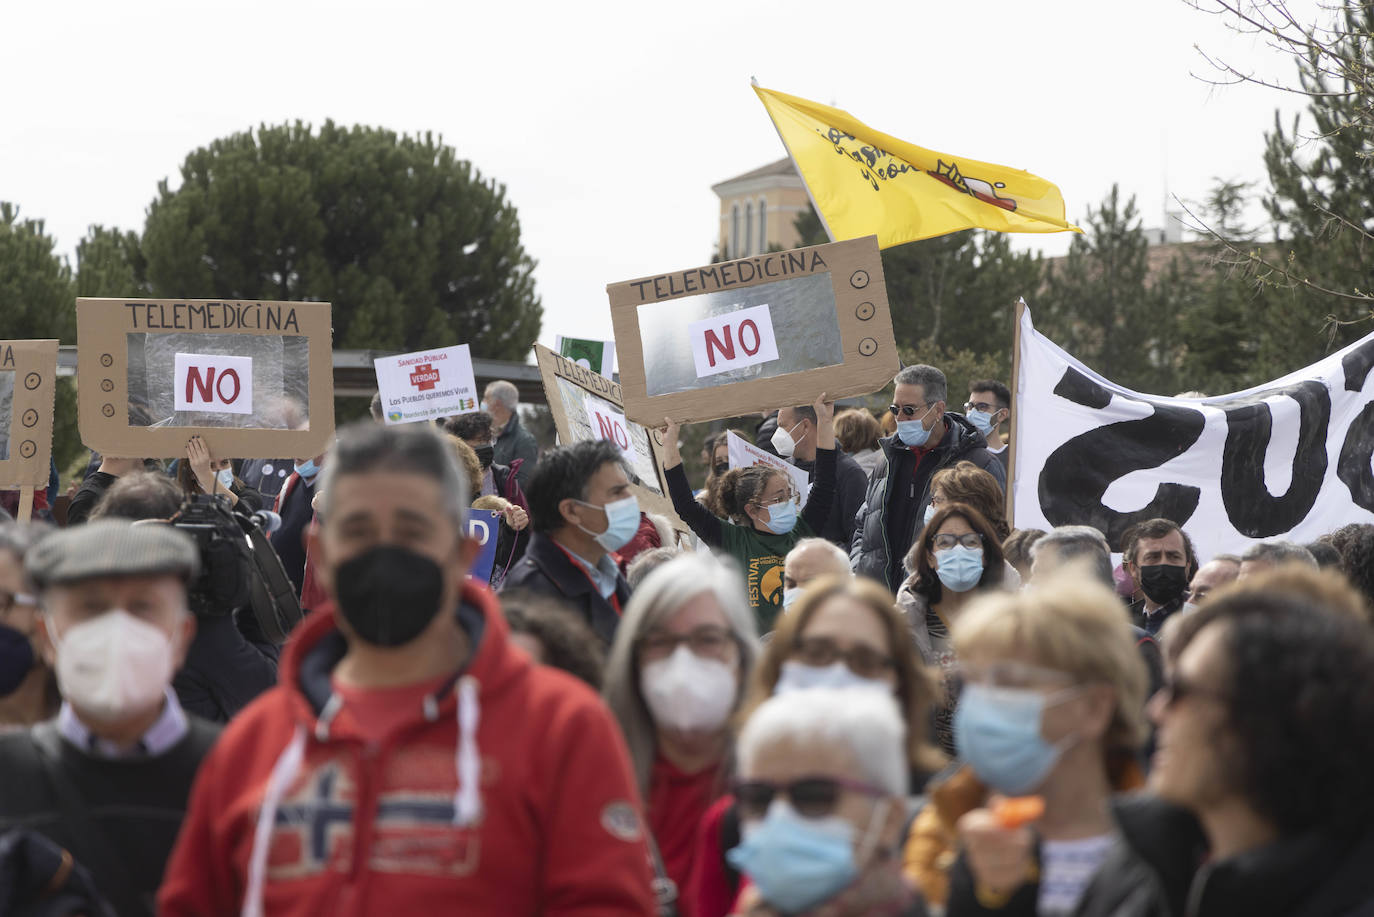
x=504 y=392
x=832 y=553
x=865 y=721
x=666 y=589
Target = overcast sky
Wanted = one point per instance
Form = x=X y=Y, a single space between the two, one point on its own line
x=609 y=122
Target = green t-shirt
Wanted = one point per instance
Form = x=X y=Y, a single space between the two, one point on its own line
x=761 y=555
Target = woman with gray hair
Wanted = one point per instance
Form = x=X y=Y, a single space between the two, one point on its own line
x=822 y=786
x=682 y=654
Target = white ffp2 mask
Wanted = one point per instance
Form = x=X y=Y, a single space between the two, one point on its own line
x=113 y=665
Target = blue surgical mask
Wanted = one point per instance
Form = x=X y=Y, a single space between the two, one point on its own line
x=782 y=517
x=981 y=421
x=622 y=521
x=226 y=477
x=912 y=432
x=959 y=568
x=308 y=468
x=798 y=676
x=798 y=863
x=997 y=731
x=930 y=511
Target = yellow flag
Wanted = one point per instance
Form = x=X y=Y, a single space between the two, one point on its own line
x=865 y=182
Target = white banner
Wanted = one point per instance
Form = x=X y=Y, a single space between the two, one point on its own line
x=426 y=384
x=1289 y=459
x=743 y=454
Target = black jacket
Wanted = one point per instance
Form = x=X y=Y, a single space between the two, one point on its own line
x=547 y=570
x=1158 y=870
x=850 y=485
x=228 y=664
x=898 y=496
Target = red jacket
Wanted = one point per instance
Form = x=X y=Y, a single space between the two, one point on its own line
x=552 y=826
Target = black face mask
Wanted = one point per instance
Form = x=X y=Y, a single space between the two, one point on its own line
x=1163 y=583
x=721 y=468
x=485 y=454
x=16 y=659
x=388 y=595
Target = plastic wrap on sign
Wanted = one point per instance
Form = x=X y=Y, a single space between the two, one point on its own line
x=6 y=411
x=280 y=383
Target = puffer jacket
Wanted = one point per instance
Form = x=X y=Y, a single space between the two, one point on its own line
x=872 y=554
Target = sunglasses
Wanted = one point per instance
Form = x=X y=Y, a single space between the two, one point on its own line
x=812 y=797
x=907 y=410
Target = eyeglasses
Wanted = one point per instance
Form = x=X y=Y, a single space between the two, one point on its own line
x=9 y=600
x=946 y=540
x=707 y=642
x=1176 y=689
x=983 y=406
x=812 y=797
x=908 y=410
x=863 y=661
x=790 y=495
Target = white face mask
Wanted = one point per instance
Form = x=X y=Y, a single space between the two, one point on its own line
x=783 y=442
x=687 y=693
x=226 y=477
x=113 y=666
x=798 y=676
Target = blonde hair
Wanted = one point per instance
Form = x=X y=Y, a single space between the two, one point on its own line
x=468 y=463
x=1072 y=626
x=491 y=502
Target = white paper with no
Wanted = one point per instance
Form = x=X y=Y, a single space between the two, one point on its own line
x=426 y=384
x=743 y=454
x=733 y=340
x=609 y=424
x=215 y=383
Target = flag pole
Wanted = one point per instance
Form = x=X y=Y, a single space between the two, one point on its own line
x=1015 y=409
x=25 y=503
x=806 y=186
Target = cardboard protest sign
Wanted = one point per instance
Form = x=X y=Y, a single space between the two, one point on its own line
x=253 y=379
x=484 y=525
x=598 y=356
x=762 y=332
x=426 y=384
x=28 y=383
x=1289 y=459
x=744 y=454
x=577 y=398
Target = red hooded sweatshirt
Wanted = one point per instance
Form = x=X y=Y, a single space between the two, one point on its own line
x=295 y=813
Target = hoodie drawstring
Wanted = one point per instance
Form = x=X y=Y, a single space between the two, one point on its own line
x=467 y=802
x=283 y=772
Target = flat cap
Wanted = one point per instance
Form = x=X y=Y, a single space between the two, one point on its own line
x=111 y=547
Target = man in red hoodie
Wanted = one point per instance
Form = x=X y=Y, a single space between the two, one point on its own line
x=411 y=760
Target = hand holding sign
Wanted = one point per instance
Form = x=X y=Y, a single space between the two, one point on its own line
x=825 y=423
x=515 y=517
x=671 y=456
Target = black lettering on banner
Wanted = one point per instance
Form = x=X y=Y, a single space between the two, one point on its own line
x=1353 y=465
x=1252 y=510
x=1078 y=473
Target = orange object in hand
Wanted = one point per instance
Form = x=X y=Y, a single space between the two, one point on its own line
x=1018 y=810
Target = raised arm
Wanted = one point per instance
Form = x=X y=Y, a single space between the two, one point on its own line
x=819 y=504
x=708 y=528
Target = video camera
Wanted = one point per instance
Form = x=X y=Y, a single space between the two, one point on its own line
x=239 y=568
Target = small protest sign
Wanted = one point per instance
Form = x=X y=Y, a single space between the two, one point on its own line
x=598 y=356
x=28 y=377
x=485 y=526
x=744 y=454
x=254 y=379
x=734 y=337
x=426 y=384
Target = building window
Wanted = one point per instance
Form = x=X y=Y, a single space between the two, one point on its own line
x=763 y=225
x=733 y=251
x=748 y=227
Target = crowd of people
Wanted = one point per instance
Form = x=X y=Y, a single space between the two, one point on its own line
x=871 y=696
